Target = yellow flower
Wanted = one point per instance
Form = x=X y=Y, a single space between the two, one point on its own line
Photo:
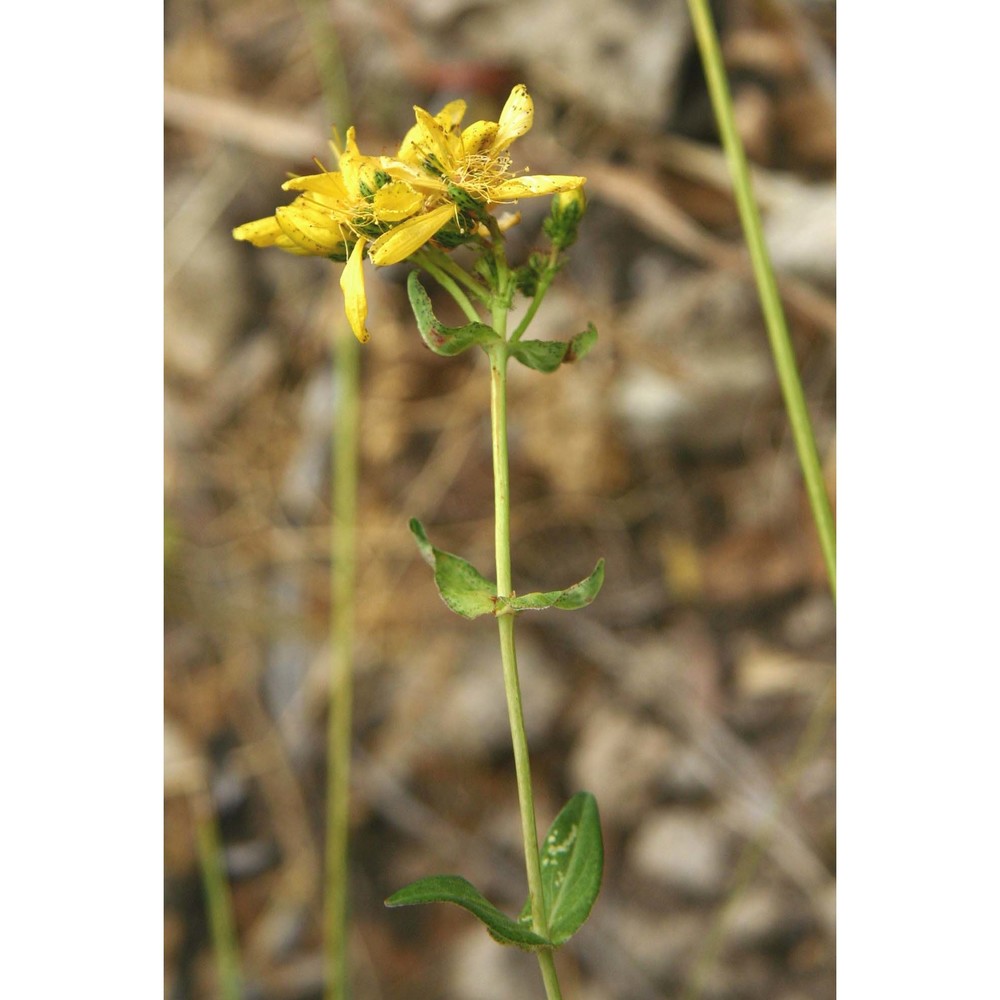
x=474 y=159
x=335 y=215
x=466 y=168
x=442 y=174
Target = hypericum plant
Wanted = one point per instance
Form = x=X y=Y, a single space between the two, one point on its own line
x=437 y=193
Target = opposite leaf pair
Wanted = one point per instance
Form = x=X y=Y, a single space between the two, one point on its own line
x=572 y=867
x=542 y=355
x=468 y=593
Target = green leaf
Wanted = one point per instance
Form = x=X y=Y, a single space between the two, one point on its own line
x=542 y=355
x=455 y=889
x=572 y=866
x=548 y=355
x=445 y=340
x=461 y=586
x=581 y=344
x=578 y=596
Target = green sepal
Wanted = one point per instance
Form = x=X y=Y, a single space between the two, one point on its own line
x=548 y=355
x=572 y=868
x=455 y=889
x=578 y=596
x=564 y=218
x=461 y=586
x=445 y=340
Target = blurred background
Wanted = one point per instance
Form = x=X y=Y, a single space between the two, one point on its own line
x=694 y=698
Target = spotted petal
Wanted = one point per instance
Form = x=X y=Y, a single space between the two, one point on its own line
x=330 y=184
x=305 y=231
x=261 y=233
x=396 y=201
x=431 y=142
x=451 y=115
x=357 y=169
x=515 y=119
x=478 y=137
x=534 y=185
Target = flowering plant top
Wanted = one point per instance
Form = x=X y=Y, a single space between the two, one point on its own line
x=437 y=191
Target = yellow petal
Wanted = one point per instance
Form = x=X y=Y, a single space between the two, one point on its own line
x=304 y=232
x=415 y=177
x=515 y=119
x=352 y=284
x=451 y=115
x=261 y=233
x=532 y=186
x=431 y=143
x=409 y=148
x=313 y=209
x=357 y=169
x=410 y=236
x=349 y=162
x=396 y=201
x=329 y=184
x=418 y=143
x=267 y=233
x=478 y=137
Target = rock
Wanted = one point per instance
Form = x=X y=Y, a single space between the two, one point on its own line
x=476 y=724
x=651 y=404
x=677 y=668
x=289 y=658
x=199 y=322
x=801 y=229
x=700 y=364
x=755 y=918
x=663 y=945
x=762 y=671
x=687 y=776
x=812 y=621
x=683 y=849
x=619 y=760
x=241 y=377
x=185 y=770
x=251 y=858
x=621 y=59
x=479 y=969
x=305 y=480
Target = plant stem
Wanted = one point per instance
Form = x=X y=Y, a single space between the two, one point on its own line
x=767 y=288
x=448 y=284
x=805 y=444
x=445 y=263
x=218 y=900
x=329 y=61
x=343 y=502
x=501 y=489
x=344 y=487
x=536 y=301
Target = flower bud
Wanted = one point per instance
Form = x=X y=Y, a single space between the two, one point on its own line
x=564 y=218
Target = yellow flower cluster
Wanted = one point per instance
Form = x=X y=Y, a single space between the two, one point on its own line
x=435 y=188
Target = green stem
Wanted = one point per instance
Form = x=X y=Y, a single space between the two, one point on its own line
x=329 y=62
x=445 y=263
x=333 y=80
x=536 y=301
x=448 y=284
x=218 y=900
x=512 y=687
x=767 y=288
x=344 y=463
